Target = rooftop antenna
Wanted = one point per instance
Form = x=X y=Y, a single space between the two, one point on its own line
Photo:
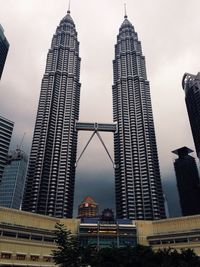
x=125 y=13
x=69 y=5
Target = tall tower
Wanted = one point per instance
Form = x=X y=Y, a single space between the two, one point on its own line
x=191 y=86
x=187 y=177
x=50 y=181
x=4 y=46
x=137 y=177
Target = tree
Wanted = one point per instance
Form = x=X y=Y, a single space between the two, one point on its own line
x=67 y=252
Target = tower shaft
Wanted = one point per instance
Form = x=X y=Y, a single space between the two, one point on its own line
x=50 y=182
x=137 y=176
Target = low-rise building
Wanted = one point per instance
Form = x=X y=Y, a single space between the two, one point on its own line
x=101 y=234
x=27 y=239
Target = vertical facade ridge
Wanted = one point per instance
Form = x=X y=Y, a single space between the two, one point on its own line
x=137 y=176
x=50 y=182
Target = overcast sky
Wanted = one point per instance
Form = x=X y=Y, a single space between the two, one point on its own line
x=170 y=34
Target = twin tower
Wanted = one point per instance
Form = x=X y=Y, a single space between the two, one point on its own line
x=50 y=182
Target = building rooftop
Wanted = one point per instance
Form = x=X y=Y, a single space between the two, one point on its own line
x=183 y=151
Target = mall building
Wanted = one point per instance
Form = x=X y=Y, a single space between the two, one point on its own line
x=27 y=239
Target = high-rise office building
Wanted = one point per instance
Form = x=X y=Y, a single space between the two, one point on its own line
x=13 y=180
x=6 y=129
x=4 y=46
x=139 y=192
x=187 y=177
x=191 y=86
x=88 y=208
x=50 y=181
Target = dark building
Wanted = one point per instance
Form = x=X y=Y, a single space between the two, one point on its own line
x=88 y=208
x=107 y=215
x=191 y=86
x=4 y=46
x=13 y=180
x=6 y=129
x=187 y=181
x=139 y=192
x=50 y=181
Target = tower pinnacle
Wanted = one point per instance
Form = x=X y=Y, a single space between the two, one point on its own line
x=125 y=13
x=69 y=4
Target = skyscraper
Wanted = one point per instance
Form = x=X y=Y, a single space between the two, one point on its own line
x=4 y=46
x=137 y=177
x=191 y=86
x=6 y=129
x=187 y=177
x=13 y=180
x=51 y=173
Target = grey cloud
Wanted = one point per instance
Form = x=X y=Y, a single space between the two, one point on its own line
x=170 y=36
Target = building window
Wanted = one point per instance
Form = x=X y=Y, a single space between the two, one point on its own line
x=181 y=240
x=47 y=258
x=9 y=234
x=36 y=237
x=5 y=255
x=23 y=236
x=21 y=257
x=34 y=258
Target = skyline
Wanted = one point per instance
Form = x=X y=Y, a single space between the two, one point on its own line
x=166 y=63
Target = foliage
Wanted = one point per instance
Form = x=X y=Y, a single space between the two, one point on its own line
x=69 y=254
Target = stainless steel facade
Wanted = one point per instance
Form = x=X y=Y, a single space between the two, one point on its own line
x=50 y=182
x=137 y=177
x=191 y=86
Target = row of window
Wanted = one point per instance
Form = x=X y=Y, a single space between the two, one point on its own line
x=21 y=257
x=19 y=235
x=175 y=240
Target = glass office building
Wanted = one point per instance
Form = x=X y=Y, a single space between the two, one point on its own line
x=13 y=180
x=191 y=86
x=4 y=46
x=6 y=129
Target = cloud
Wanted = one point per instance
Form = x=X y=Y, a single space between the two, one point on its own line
x=170 y=35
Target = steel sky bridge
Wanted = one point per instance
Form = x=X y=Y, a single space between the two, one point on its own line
x=96 y=128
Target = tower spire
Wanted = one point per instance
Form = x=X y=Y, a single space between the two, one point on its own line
x=125 y=13
x=69 y=5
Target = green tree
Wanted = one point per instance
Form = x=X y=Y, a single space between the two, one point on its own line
x=67 y=252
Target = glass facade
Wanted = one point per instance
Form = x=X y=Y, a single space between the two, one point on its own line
x=13 y=180
x=107 y=234
x=191 y=86
x=6 y=129
x=4 y=46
